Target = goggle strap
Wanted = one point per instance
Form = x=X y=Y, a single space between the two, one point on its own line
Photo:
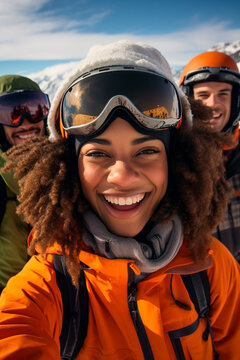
x=63 y=132
x=179 y=123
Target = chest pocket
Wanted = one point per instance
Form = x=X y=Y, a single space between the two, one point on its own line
x=189 y=343
x=189 y=339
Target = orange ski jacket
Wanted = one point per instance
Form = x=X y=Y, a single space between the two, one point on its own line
x=31 y=310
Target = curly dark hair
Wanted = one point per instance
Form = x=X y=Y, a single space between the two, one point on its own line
x=52 y=202
x=50 y=196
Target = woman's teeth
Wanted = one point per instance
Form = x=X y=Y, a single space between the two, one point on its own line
x=127 y=200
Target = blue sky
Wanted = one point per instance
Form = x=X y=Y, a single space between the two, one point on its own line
x=35 y=34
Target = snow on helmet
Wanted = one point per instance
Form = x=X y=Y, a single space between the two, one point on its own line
x=214 y=66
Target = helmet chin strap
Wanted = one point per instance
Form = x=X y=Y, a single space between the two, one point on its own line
x=235 y=133
x=234 y=118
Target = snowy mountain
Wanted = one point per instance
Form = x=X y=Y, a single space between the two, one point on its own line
x=50 y=78
x=232 y=49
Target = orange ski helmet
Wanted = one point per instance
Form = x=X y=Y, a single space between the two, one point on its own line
x=214 y=66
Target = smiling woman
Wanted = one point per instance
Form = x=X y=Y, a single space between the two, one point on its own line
x=123 y=184
x=121 y=190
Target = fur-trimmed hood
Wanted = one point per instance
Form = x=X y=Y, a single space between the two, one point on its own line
x=122 y=52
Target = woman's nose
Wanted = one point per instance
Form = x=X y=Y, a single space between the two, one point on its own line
x=122 y=174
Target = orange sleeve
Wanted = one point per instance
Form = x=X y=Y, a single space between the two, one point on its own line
x=224 y=278
x=31 y=319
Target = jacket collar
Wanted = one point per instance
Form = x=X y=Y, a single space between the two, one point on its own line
x=181 y=264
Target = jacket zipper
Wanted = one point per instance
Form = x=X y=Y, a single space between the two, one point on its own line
x=137 y=321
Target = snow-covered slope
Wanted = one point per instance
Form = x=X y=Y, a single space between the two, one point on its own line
x=50 y=78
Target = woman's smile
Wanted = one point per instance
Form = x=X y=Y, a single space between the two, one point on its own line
x=124 y=200
x=124 y=207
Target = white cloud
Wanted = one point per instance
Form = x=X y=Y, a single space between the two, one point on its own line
x=26 y=33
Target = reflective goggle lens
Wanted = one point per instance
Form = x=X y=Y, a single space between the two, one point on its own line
x=223 y=74
x=14 y=106
x=91 y=98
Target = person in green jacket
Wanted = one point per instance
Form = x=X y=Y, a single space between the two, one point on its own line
x=23 y=113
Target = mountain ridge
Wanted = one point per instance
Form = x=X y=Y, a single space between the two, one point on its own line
x=52 y=77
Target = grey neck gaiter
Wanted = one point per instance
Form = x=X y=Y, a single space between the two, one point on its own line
x=159 y=247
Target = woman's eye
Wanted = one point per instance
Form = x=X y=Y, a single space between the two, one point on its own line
x=96 y=154
x=149 y=152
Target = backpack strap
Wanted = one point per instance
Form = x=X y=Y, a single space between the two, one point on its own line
x=198 y=288
x=75 y=310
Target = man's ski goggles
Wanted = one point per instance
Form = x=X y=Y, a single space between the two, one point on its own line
x=211 y=73
x=15 y=106
x=152 y=99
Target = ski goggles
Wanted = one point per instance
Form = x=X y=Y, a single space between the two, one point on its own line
x=212 y=73
x=151 y=98
x=15 y=106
